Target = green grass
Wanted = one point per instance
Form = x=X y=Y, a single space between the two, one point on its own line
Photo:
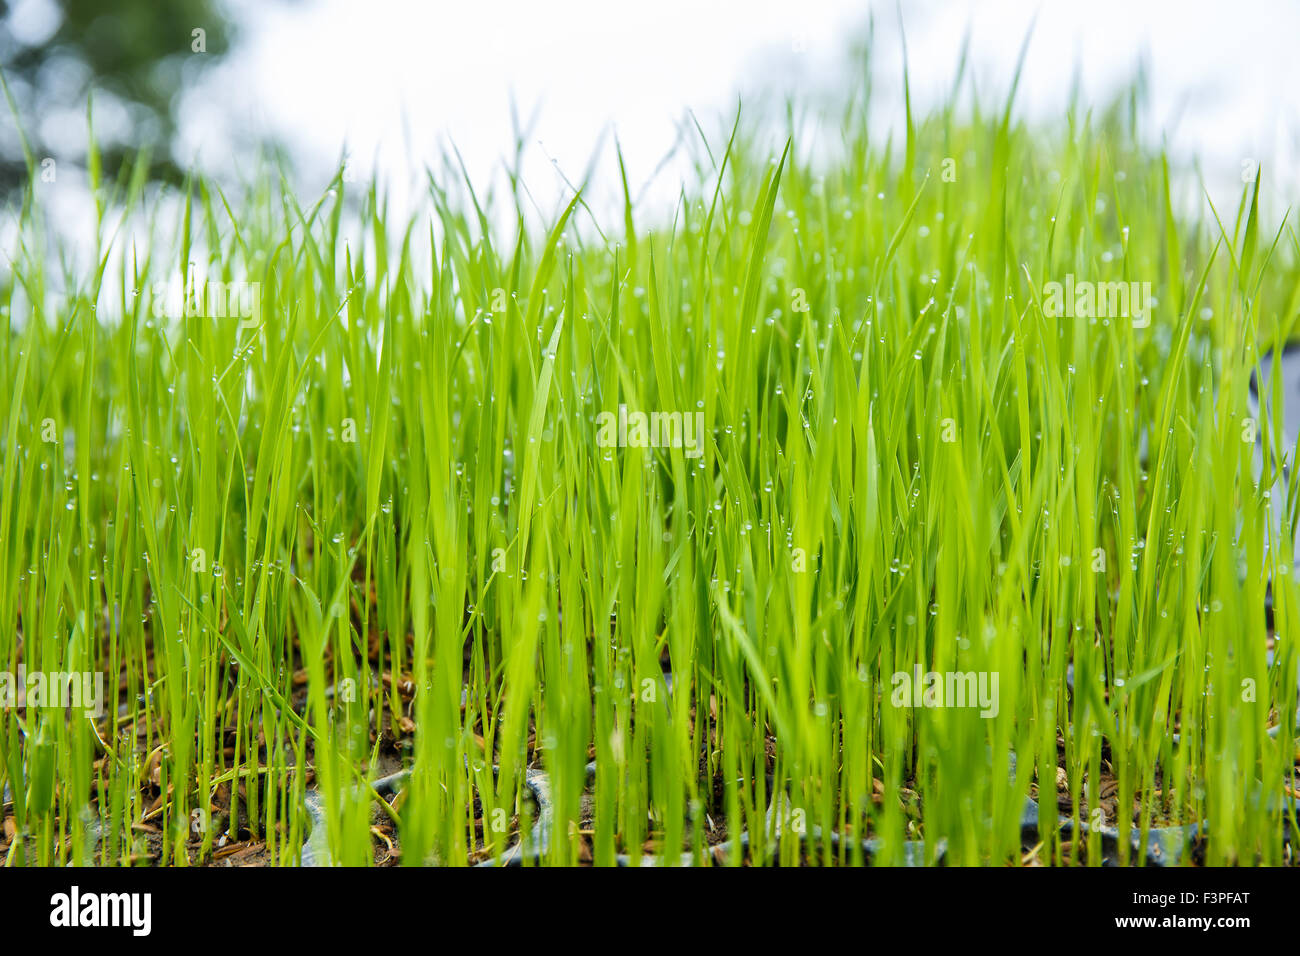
x=921 y=468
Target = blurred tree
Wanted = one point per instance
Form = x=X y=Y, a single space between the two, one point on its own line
x=137 y=55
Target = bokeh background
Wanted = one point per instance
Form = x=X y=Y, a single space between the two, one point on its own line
x=392 y=83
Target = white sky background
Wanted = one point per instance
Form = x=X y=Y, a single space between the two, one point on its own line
x=397 y=80
x=394 y=79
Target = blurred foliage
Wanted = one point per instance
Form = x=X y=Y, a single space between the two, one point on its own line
x=136 y=55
